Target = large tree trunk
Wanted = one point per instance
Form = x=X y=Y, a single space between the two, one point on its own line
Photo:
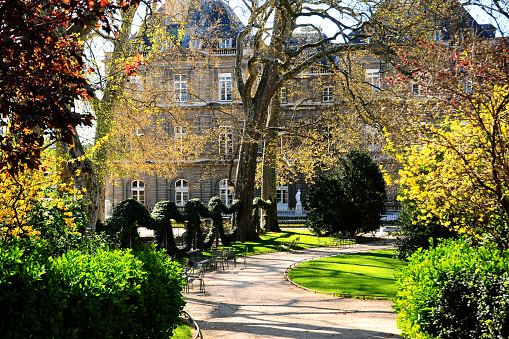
x=246 y=172
x=269 y=176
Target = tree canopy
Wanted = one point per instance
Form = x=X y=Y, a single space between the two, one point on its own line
x=42 y=73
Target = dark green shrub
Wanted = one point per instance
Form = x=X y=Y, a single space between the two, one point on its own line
x=416 y=233
x=108 y=294
x=454 y=290
x=349 y=198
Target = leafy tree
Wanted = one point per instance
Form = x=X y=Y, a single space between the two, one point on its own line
x=35 y=202
x=349 y=198
x=42 y=74
x=456 y=170
x=279 y=54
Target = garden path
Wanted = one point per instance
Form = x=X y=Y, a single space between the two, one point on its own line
x=258 y=302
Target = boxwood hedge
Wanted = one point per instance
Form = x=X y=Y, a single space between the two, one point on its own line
x=454 y=291
x=108 y=294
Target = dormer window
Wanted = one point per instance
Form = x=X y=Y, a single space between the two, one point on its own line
x=226 y=43
x=195 y=44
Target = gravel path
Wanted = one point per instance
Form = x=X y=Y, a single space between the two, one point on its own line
x=258 y=302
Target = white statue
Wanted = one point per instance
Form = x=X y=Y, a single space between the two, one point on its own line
x=298 y=205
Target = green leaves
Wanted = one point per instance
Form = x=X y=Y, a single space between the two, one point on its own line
x=454 y=291
x=95 y=295
x=350 y=198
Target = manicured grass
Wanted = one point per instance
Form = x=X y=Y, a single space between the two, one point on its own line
x=270 y=242
x=369 y=273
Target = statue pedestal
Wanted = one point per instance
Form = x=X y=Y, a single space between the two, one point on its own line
x=298 y=207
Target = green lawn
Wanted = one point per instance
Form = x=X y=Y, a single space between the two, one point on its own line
x=183 y=331
x=369 y=273
x=270 y=242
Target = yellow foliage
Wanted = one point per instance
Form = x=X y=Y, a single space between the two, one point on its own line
x=456 y=171
x=21 y=194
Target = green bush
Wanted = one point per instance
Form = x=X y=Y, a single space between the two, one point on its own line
x=349 y=198
x=108 y=294
x=454 y=290
x=416 y=233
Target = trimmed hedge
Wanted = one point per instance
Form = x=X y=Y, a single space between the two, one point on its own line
x=108 y=294
x=454 y=291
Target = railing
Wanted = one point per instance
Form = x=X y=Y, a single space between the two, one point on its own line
x=391 y=214
x=224 y=51
x=291 y=216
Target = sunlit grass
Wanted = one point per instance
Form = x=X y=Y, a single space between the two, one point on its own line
x=369 y=273
x=183 y=331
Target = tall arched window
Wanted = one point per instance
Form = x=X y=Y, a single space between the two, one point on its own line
x=138 y=191
x=181 y=192
x=226 y=192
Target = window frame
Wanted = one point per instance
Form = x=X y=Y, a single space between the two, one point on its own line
x=180 y=87
x=138 y=191
x=226 y=43
x=282 y=197
x=283 y=95
x=179 y=133
x=226 y=191
x=181 y=192
x=225 y=140
x=225 y=87
x=373 y=78
x=328 y=94
x=415 y=90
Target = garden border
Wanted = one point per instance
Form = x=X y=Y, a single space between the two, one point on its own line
x=192 y=322
x=285 y=274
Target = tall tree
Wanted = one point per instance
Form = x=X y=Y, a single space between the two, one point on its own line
x=279 y=54
x=43 y=73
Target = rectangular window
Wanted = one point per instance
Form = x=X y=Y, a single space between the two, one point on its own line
x=225 y=140
x=179 y=133
x=138 y=131
x=328 y=94
x=416 y=89
x=226 y=43
x=468 y=86
x=284 y=97
x=180 y=87
x=327 y=133
x=225 y=87
x=195 y=44
x=373 y=78
x=139 y=196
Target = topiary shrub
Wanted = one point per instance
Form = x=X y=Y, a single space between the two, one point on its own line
x=456 y=291
x=349 y=198
x=108 y=294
